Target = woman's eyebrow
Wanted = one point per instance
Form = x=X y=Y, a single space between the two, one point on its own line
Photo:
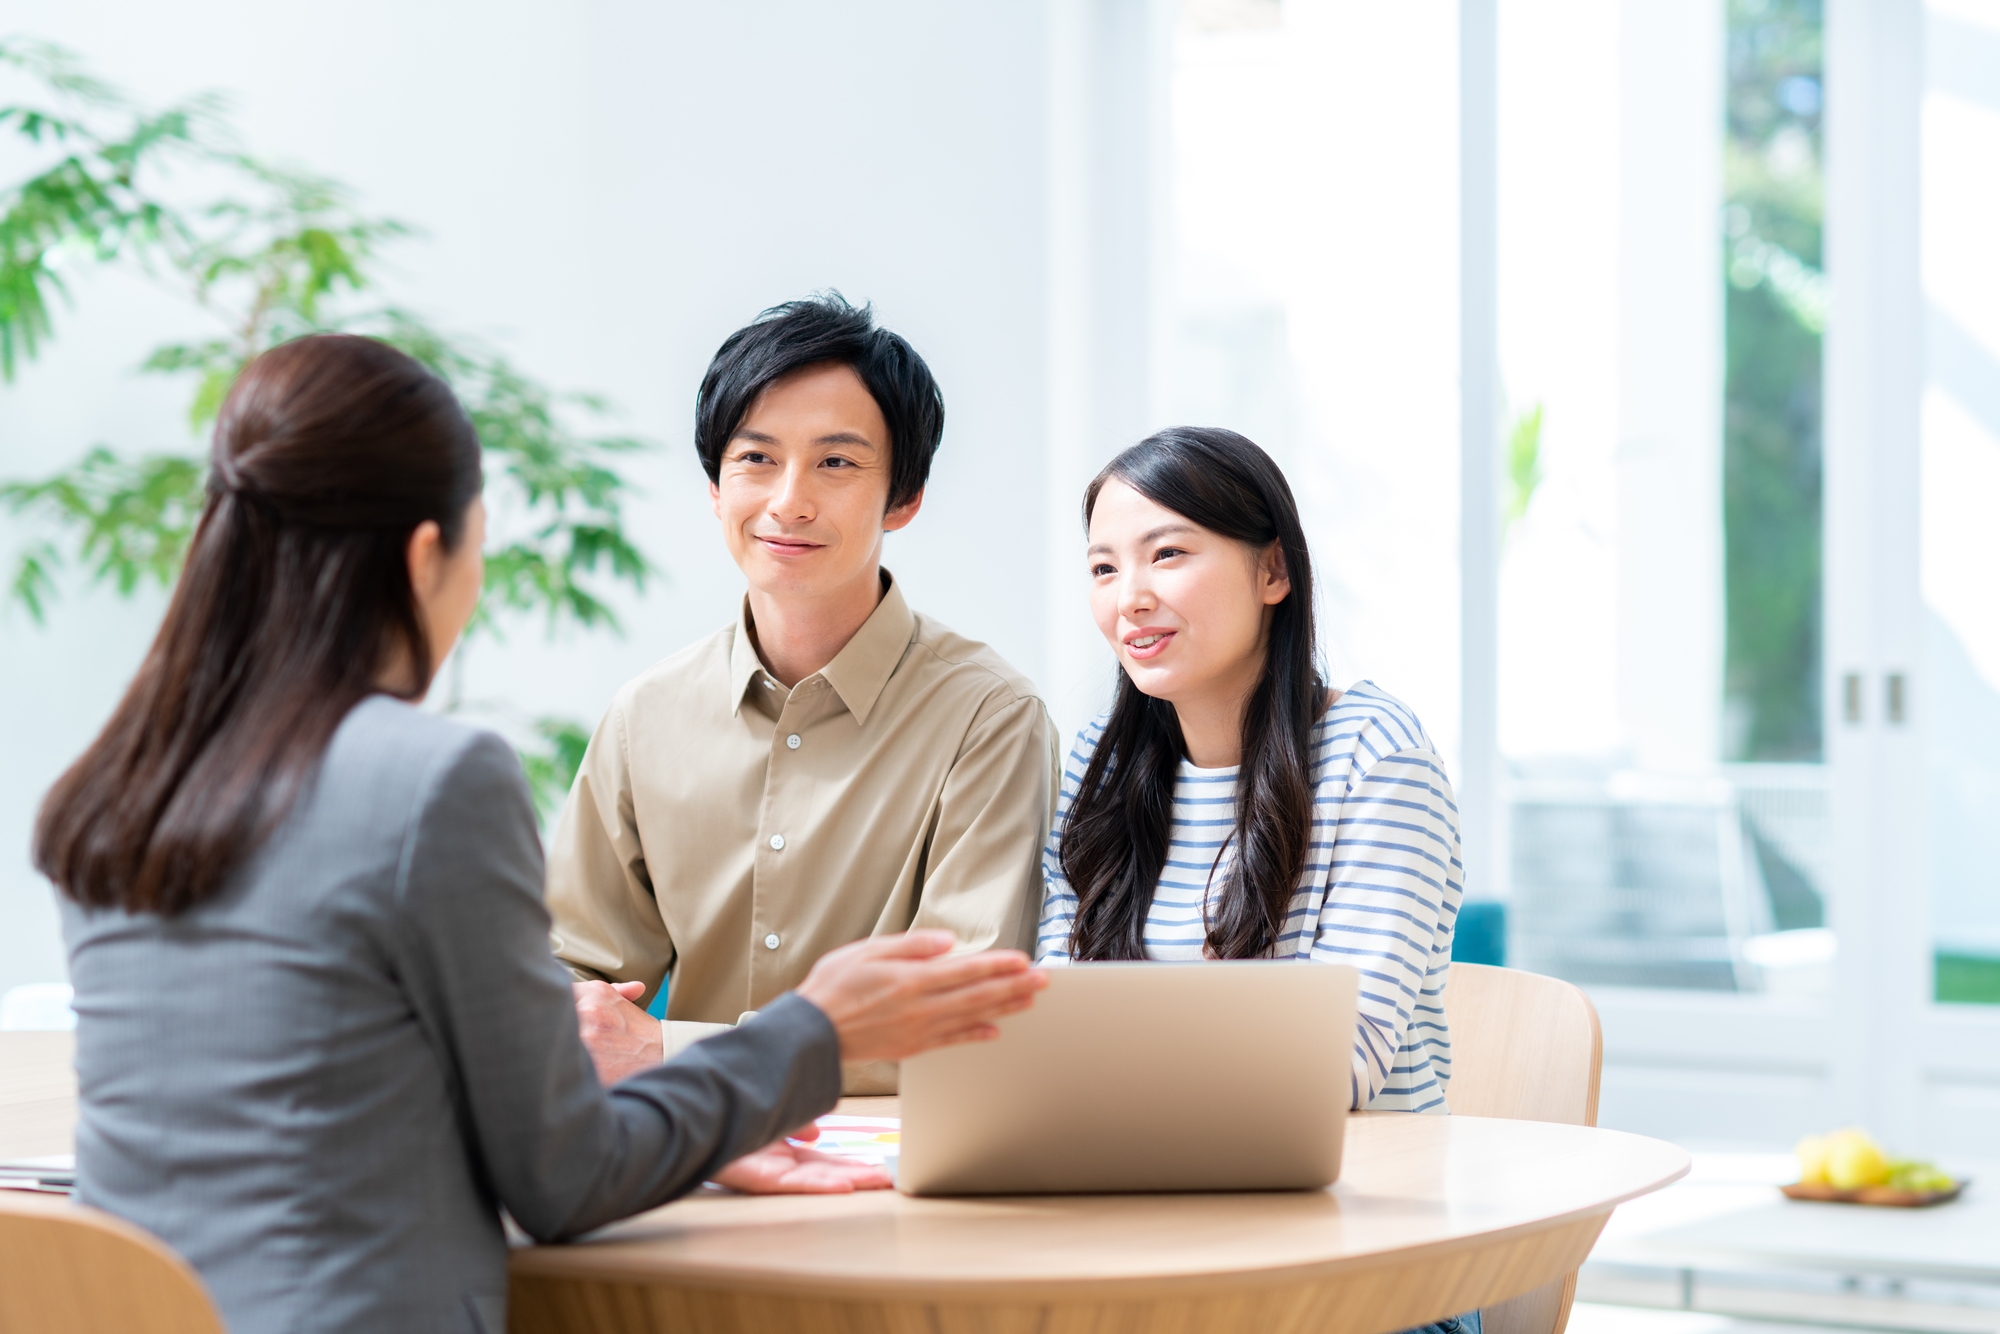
x=1157 y=533
x=1166 y=528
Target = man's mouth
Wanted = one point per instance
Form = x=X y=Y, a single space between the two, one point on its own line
x=788 y=545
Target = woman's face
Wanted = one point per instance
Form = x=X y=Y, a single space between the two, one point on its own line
x=1185 y=609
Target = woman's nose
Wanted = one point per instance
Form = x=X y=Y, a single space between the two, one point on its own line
x=1135 y=594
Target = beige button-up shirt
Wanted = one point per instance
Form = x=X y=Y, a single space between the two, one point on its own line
x=731 y=831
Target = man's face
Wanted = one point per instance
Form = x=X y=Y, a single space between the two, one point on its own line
x=804 y=486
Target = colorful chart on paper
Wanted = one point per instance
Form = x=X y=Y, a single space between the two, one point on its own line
x=865 y=1139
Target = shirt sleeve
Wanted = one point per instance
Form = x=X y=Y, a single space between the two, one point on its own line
x=982 y=881
x=606 y=923
x=563 y=1154
x=1058 y=897
x=1394 y=883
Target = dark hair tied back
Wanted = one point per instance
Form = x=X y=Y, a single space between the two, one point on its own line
x=1114 y=844
x=328 y=452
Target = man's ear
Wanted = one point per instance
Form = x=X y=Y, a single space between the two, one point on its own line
x=715 y=499
x=900 y=516
x=1276 y=580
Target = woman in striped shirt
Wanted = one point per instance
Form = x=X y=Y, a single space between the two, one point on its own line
x=1231 y=805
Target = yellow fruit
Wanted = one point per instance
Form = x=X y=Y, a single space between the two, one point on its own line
x=1812 y=1154
x=1854 y=1160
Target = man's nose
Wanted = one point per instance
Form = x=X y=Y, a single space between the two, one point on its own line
x=794 y=501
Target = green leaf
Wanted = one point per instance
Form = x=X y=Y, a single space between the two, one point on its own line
x=551 y=768
x=130 y=521
x=1524 y=463
x=34 y=583
x=275 y=253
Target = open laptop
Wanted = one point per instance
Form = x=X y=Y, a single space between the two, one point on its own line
x=1142 y=1077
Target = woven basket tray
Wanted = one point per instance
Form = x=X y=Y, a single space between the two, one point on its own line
x=1885 y=1196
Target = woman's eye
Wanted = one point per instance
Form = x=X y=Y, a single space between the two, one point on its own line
x=1099 y=571
x=1167 y=553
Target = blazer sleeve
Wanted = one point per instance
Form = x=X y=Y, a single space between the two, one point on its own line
x=607 y=924
x=562 y=1153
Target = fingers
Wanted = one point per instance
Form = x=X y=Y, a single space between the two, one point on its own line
x=924 y=944
x=991 y=997
x=631 y=991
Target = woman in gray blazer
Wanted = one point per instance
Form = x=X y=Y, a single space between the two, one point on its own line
x=321 y=1041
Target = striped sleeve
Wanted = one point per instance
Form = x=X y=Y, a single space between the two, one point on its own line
x=1058 y=899
x=1391 y=902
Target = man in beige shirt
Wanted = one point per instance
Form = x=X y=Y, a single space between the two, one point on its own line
x=832 y=765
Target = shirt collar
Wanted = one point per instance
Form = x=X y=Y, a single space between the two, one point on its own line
x=858 y=673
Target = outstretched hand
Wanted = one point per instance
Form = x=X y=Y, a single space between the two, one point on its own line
x=784 y=1168
x=891 y=997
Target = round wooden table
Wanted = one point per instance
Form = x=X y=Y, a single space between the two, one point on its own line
x=1432 y=1216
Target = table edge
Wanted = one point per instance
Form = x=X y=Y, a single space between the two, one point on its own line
x=568 y=1262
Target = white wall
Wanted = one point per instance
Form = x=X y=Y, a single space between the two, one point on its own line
x=607 y=190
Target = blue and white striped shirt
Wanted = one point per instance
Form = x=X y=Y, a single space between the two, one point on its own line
x=1380 y=890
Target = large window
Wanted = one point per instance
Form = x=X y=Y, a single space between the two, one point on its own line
x=1661 y=309
x=1739 y=795
x=1312 y=304
x=1776 y=309
x=1960 y=490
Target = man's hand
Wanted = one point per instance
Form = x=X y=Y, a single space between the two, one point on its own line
x=890 y=997
x=787 y=1169
x=622 y=1039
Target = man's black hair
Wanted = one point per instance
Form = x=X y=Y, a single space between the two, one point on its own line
x=819 y=329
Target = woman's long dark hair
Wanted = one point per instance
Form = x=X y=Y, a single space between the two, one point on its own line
x=1114 y=845
x=328 y=452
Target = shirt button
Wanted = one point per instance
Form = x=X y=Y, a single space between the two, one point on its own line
x=771 y=941
x=777 y=842
x=792 y=741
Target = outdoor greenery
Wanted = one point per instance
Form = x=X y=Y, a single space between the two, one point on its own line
x=264 y=254
x=1524 y=466
x=1968 y=978
x=1775 y=313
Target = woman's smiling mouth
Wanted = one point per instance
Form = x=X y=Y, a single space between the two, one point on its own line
x=1148 y=643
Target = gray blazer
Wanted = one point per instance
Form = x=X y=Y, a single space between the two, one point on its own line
x=322 y=1085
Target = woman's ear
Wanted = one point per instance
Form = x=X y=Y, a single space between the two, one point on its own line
x=425 y=555
x=1274 y=583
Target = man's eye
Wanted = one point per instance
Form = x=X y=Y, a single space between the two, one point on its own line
x=753 y=456
x=835 y=461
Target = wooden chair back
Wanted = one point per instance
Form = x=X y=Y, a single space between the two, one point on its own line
x=65 y=1269
x=1528 y=1048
